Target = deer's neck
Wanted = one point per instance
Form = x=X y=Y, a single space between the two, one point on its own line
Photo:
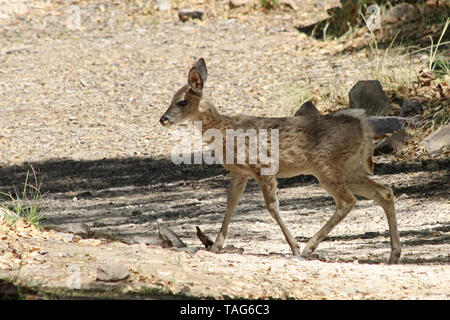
x=212 y=119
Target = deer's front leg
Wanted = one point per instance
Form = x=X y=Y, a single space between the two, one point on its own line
x=237 y=186
x=268 y=185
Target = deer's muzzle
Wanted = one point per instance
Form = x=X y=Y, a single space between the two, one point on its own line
x=163 y=120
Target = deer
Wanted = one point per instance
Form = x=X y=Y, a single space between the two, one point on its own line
x=337 y=149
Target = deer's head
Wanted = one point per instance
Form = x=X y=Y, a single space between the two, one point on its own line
x=185 y=104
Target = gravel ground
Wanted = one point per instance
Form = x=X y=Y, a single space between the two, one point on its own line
x=83 y=107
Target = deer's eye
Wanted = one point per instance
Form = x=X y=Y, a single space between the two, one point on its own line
x=182 y=103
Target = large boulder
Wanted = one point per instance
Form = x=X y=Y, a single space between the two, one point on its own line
x=369 y=95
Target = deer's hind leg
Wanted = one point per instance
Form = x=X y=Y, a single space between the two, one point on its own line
x=268 y=186
x=345 y=201
x=382 y=195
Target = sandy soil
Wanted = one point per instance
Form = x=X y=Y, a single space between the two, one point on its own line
x=82 y=106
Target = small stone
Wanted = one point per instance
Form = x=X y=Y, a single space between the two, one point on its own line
x=186 y=291
x=162 y=5
x=186 y=14
x=288 y=3
x=188 y=249
x=402 y=196
x=135 y=213
x=319 y=4
x=112 y=272
x=238 y=3
x=80 y=229
x=411 y=108
x=99 y=224
x=232 y=249
x=146 y=240
x=90 y=242
x=66 y=236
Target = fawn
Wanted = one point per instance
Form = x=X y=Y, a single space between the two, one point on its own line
x=337 y=149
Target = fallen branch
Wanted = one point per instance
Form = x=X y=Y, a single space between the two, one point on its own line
x=207 y=242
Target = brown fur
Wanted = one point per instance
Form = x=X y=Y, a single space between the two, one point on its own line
x=337 y=149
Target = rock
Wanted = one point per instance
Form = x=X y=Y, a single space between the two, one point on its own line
x=369 y=95
x=391 y=144
x=66 y=236
x=162 y=5
x=84 y=194
x=79 y=229
x=232 y=249
x=135 y=213
x=154 y=241
x=238 y=3
x=8 y=213
x=188 y=249
x=307 y=109
x=384 y=125
x=402 y=11
x=438 y=141
x=186 y=291
x=288 y=3
x=403 y=196
x=319 y=4
x=186 y=14
x=90 y=242
x=99 y=224
x=170 y=238
x=112 y=272
x=276 y=30
x=411 y=108
x=356 y=113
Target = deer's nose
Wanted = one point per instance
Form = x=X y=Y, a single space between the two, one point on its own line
x=163 y=120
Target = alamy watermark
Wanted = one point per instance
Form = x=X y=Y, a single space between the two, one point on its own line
x=73 y=21
x=374 y=20
x=231 y=147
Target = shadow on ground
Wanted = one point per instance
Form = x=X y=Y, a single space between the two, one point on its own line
x=62 y=176
x=129 y=195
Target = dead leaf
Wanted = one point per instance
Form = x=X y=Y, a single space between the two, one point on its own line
x=425 y=78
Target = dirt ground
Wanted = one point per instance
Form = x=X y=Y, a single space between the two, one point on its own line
x=82 y=106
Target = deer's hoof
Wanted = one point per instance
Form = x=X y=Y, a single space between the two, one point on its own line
x=306 y=254
x=394 y=257
x=214 y=249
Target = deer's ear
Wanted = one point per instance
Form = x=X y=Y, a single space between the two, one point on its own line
x=197 y=76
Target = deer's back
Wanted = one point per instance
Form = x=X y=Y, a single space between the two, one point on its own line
x=310 y=144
